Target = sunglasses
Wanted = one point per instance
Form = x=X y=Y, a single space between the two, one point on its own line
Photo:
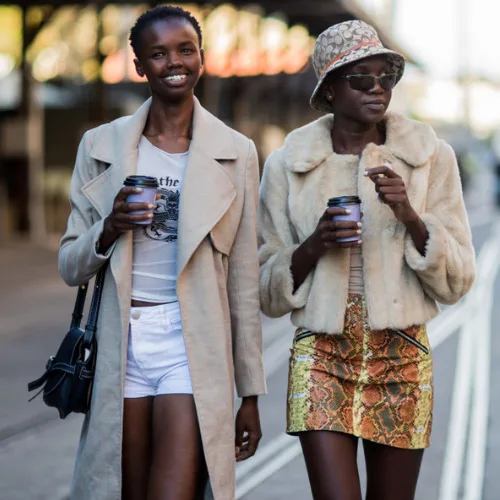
x=367 y=82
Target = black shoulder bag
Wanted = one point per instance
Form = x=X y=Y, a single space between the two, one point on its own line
x=69 y=375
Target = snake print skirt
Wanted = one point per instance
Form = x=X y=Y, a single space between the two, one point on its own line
x=376 y=385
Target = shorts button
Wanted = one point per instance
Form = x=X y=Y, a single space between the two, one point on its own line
x=136 y=314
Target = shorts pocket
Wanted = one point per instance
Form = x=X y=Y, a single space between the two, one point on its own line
x=175 y=319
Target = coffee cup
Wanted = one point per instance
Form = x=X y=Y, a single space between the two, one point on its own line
x=149 y=186
x=351 y=203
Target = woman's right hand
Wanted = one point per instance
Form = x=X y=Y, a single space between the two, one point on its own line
x=324 y=237
x=121 y=220
x=328 y=232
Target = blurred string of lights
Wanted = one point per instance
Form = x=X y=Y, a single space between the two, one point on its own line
x=238 y=42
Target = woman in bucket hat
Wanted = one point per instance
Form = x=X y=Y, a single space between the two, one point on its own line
x=360 y=365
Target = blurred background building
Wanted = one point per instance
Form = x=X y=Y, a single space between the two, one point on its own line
x=66 y=66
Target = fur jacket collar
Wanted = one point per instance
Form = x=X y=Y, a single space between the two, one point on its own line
x=411 y=141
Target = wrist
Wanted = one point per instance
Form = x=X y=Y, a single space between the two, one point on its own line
x=108 y=236
x=109 y=230
x=249 y=400
x=309 y=250
x=410 y=217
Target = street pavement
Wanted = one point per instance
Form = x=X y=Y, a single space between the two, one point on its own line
x=37 y=449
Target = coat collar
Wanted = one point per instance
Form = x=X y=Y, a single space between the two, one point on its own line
x=122 y=136
x=409 y=140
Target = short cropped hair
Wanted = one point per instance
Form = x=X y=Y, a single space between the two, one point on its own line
x=161 y=13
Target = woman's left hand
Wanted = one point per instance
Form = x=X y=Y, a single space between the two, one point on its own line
x=391 y=190
x=248 y=431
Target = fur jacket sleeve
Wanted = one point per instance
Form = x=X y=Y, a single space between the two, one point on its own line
x=447 y=269
x=278 y=241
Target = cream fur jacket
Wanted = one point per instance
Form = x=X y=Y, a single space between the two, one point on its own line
x=402 y=287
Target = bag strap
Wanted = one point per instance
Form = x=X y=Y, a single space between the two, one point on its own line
x=95 y=305
x=79 y=304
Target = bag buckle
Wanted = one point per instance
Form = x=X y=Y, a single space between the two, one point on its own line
x=50 y=362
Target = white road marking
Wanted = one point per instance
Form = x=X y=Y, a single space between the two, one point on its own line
x=272 y=448
x=472 y=378
x=457 y=430
x=447 y=323
x=476 y=454
x=278 y=462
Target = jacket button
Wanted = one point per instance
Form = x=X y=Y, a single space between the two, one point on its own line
x=136 y=314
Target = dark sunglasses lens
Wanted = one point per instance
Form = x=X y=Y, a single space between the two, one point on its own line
x=361 y=82
x=387 y=82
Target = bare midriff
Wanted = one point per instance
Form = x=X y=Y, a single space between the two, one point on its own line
x=356 y=284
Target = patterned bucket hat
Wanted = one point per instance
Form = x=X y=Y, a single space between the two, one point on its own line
x=343 y=44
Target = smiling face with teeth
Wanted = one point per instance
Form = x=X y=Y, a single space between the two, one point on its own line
x=171 y=59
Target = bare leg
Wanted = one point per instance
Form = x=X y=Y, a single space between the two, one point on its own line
x=331 y=461
x=392 y=472
x=136 y=456
x=177 y=471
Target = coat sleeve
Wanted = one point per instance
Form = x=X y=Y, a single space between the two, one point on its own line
x=243 y=291
x=447 y=270
x=78 y=259
x=277 y=243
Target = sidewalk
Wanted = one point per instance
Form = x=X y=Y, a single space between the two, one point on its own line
x=31 y=286
x=37 y=449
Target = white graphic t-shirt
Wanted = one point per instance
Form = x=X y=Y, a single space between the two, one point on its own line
x=154 y=269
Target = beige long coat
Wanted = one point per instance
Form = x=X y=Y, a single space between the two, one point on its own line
x=217 y=288
x=402 y=287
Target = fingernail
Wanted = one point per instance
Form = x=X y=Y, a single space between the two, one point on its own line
x=151 y=206
x=359 y=224
x=366 y=173
x=347 y=211
x=150 y=216
x=359 y=242
x=358 y=231
x=138 y=190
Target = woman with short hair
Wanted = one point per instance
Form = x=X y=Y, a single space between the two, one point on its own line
x=179 y=320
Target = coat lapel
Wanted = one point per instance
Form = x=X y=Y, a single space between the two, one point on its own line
x=207 y=190
x=117 y=146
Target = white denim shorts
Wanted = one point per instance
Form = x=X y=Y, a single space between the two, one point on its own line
x=156 y=356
